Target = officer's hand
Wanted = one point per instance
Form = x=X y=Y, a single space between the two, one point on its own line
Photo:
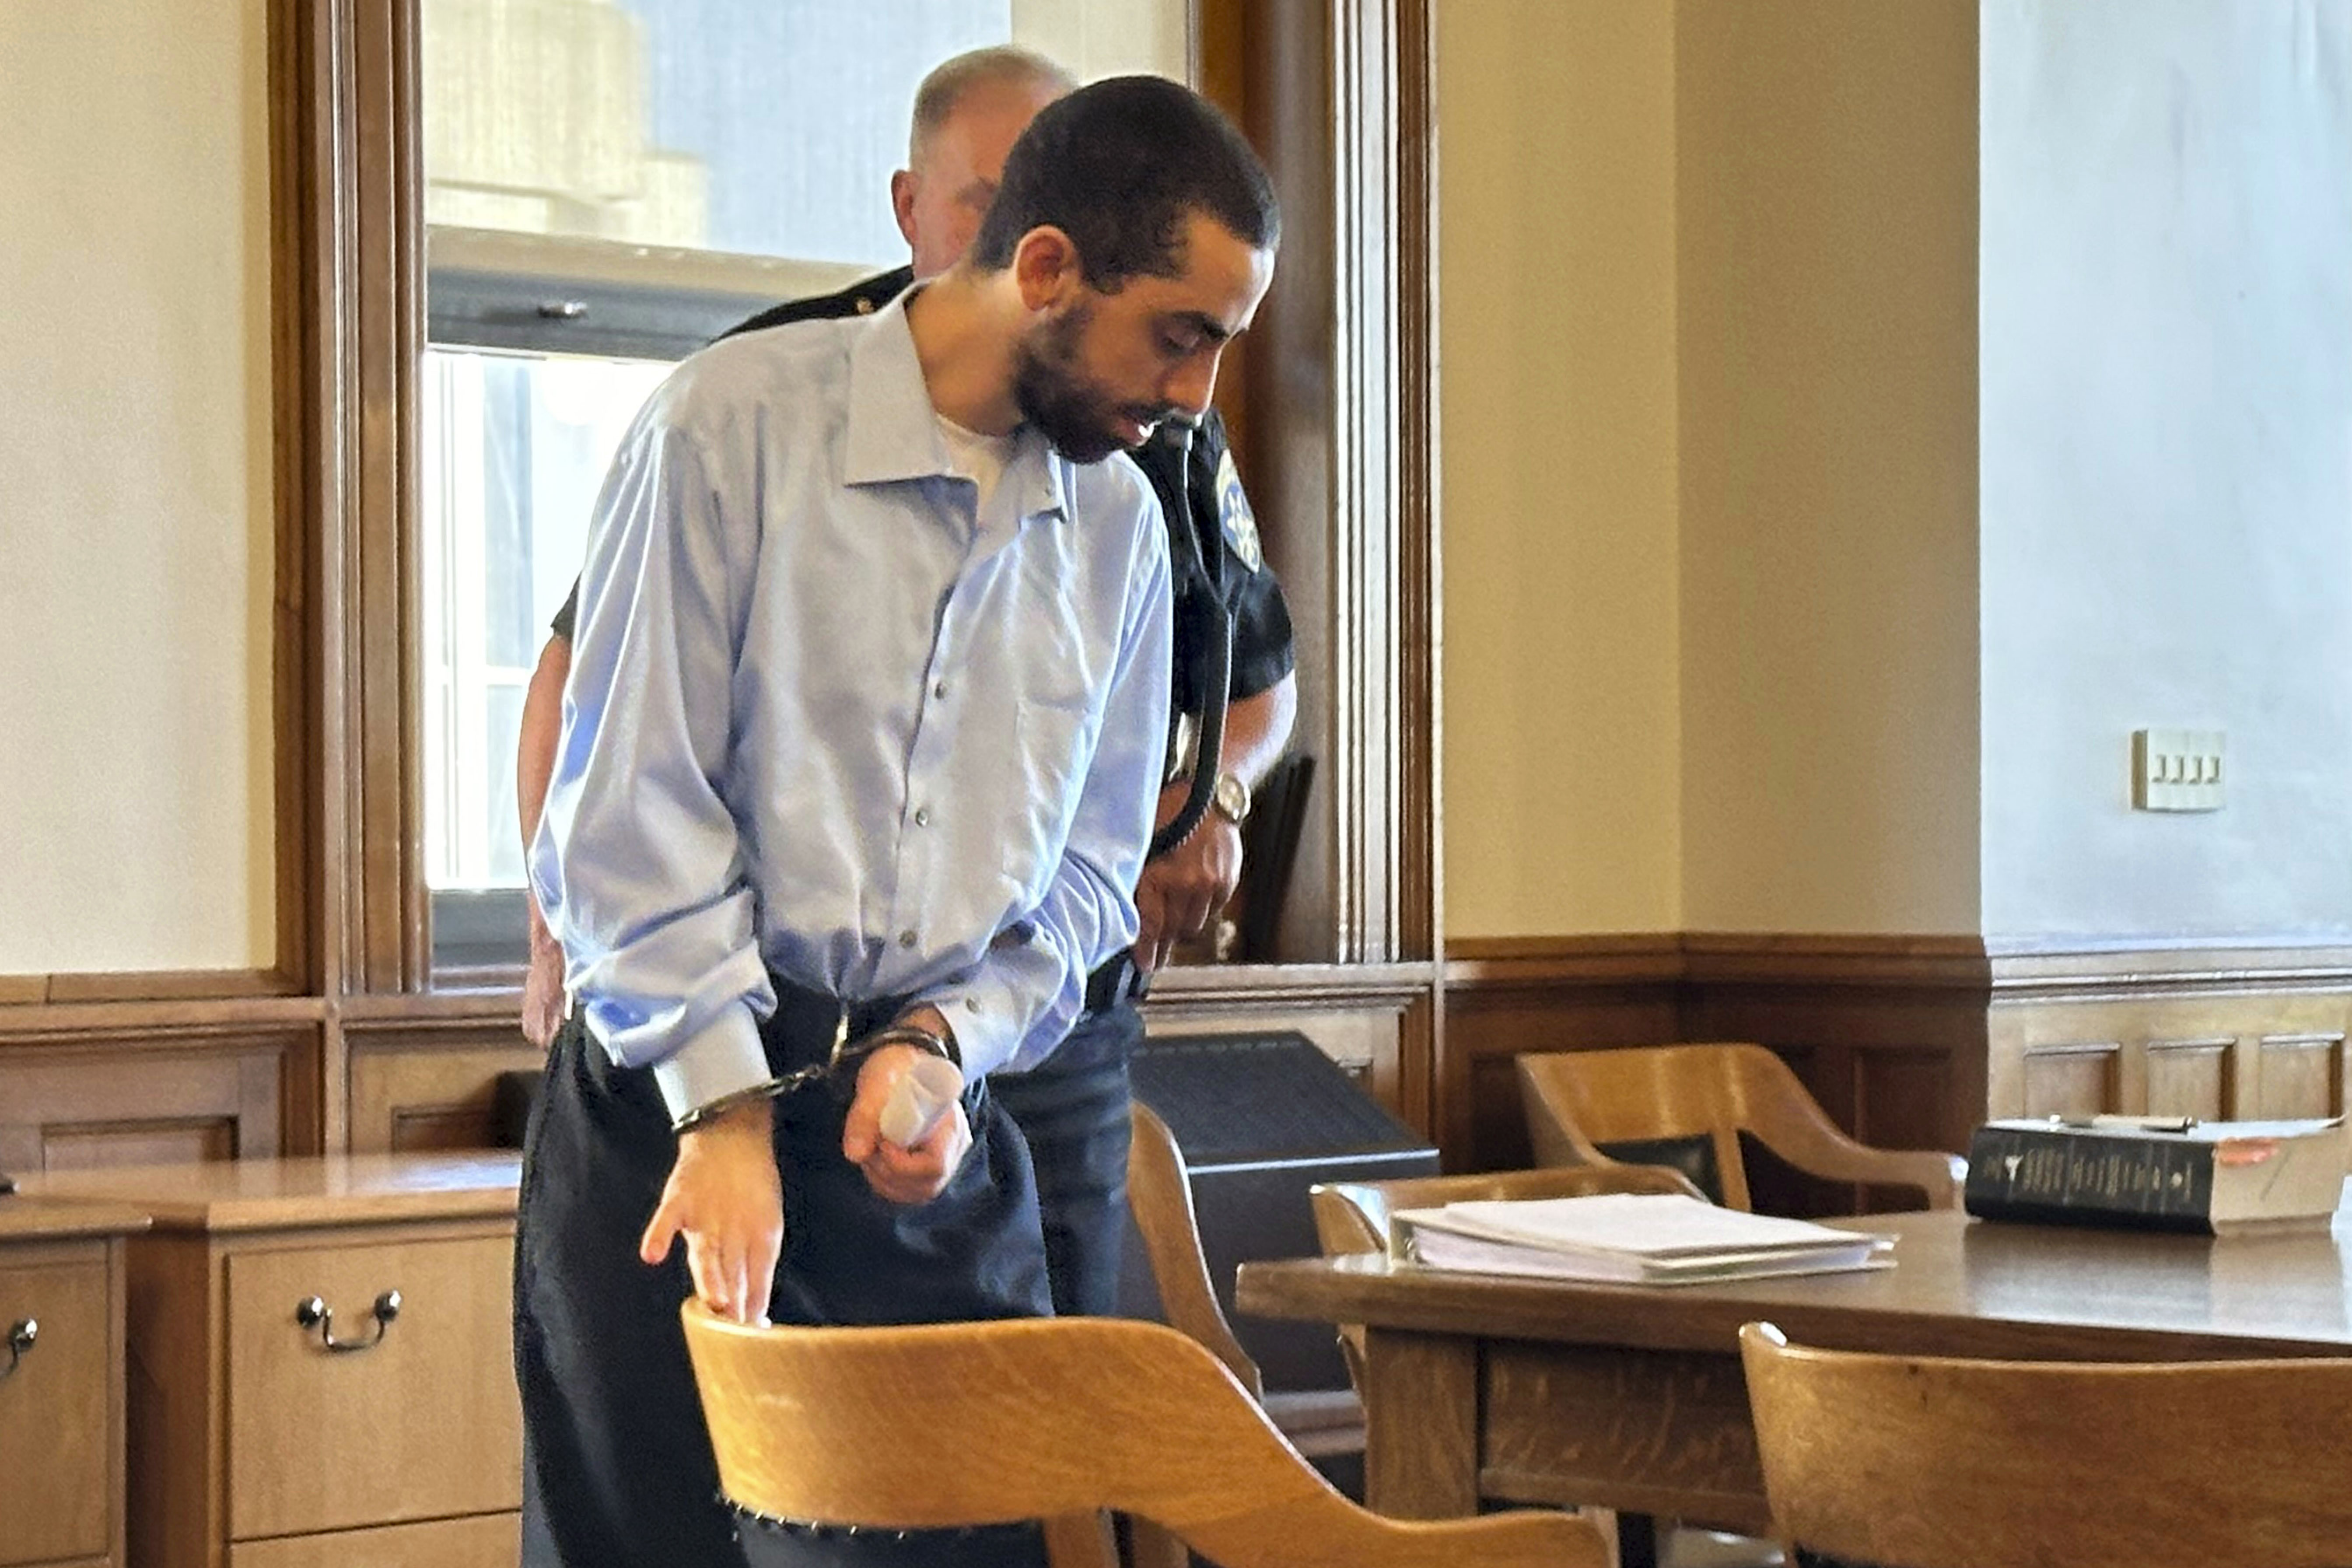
x=902 y=1175
x=1179 y=893
x=725 y=1196
x=542 y=994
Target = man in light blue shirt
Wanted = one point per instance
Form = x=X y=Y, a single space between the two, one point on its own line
x=861 y=744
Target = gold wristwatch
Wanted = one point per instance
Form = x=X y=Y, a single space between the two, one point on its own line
x=1232 y=798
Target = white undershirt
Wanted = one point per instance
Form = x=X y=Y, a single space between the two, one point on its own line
x=978 y=457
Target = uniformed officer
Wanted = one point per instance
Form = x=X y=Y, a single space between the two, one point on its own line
x=1230 y=614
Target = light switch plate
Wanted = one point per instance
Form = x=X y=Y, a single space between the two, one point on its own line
x=2177 y=769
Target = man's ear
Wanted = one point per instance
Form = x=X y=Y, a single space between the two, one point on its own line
x=903 y=187
x=1045 y=265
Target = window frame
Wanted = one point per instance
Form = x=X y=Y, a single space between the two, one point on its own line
x=1354 y=154
x=540 y=296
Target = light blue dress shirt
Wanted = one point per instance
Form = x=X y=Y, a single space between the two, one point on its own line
x=825 y=717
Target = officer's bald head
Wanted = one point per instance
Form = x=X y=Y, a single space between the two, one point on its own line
x=968 y=113
x=1005 y=68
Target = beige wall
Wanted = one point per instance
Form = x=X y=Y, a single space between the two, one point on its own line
x=1708 y=321
x=1827 y=200
x=1556 y=273
x=135 y=766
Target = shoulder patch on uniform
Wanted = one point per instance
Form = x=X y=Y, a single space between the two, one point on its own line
x=1234 y=519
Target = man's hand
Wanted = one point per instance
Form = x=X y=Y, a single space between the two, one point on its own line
x=543 y=989
x=725 y=1196
x=902 y=1175
x=1179 y=893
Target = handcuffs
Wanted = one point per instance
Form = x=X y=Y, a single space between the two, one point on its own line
x=844 y=1052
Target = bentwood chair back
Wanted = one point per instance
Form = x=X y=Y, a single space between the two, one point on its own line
x=1316 y=1422
x=1938 y=1462
x=1687 y=1105
x=945 y=1426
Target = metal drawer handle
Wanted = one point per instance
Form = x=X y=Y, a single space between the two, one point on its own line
x=23 y=1334
x=313 y=1312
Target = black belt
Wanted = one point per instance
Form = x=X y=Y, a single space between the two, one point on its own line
x=1116 y=981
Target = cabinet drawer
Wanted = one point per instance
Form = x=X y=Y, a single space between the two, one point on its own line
x=491 y=1541
x=57 y=1423
x=421 y=1422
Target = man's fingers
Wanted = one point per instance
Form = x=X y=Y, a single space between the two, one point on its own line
x=706 y=1269
x=759 y=1277
x=861 y=1132
x=661 y=1233
x=1149 y=908
x=918 y=1174
x=737 y=1273
x=1193 y=902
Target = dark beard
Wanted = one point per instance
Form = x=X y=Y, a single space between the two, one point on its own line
x=1075 y=420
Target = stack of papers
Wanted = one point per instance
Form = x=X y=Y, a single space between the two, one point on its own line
x=1639 y=1238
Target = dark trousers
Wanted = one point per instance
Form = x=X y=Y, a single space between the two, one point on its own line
x=1072 y=1109
x=618 y=1471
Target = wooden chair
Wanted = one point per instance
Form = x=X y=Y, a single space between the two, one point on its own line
x=1316 y=1422
x=1353 y=1216
x=968 y=1424
x=1932 y=1462
x=1665 y=1104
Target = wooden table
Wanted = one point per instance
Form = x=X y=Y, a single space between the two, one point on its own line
x=1631 y=1397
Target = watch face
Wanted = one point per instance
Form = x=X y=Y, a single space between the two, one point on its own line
x=1233 y=796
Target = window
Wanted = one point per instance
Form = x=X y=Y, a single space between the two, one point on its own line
x=609 y=184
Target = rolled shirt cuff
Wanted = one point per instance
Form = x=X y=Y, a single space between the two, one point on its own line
x=984 y=1015
x=725 y=1057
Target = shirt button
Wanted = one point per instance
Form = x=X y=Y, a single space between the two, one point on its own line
x=971 y=1003
x=922 y=817
x=905 y=939
x=940 y=688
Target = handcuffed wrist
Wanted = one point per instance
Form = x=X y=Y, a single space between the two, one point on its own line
x=704 y=1115
x=929 y=1041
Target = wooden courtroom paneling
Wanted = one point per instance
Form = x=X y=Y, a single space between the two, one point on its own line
x=1886 y=1033
x=123 y=1085
x=2210 y=1031
x=1508 y=997
x=1910 y=1042
x=414 y=1085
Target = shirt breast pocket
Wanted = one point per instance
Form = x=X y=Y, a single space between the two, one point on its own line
x=1056 y=739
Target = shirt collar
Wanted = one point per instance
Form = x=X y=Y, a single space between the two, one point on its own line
x=893 y=432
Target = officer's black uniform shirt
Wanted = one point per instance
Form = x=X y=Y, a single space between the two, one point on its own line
x=1200 y=492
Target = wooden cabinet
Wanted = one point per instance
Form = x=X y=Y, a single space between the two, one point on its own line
x=61 y=1382
x=321 y=1364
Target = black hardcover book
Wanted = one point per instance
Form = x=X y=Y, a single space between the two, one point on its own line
x=2203 y=1179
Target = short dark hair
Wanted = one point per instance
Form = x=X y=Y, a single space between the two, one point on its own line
x=1121 y=167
